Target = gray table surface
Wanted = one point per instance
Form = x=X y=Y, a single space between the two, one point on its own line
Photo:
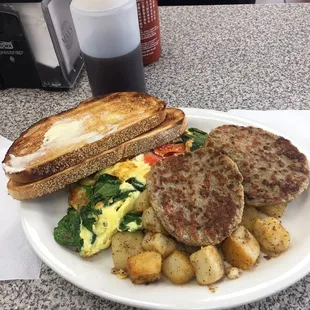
x=216 y=57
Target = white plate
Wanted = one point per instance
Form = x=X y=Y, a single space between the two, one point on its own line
x=40 y=216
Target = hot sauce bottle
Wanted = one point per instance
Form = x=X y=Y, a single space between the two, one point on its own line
x=149 y=30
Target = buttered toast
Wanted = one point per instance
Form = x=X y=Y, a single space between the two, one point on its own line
x=62 y=141
x=173 y=126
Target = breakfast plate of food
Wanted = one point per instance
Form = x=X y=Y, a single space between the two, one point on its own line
x=208 y=209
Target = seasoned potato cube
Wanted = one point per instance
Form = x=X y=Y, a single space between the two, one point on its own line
x=158 y=242
x=78 y=197
x=141 y=203
x=272 y=236
x=124 y=245
x=144 y=267
x=178 y=268
x=241 y=249
x=208 y=264
x=151 y=222
x=232 y=273
x=274 y=210
x=250 y=214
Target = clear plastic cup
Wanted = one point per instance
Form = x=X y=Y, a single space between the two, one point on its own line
x=109 y=37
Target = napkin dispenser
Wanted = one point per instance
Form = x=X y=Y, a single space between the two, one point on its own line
x=38 y=45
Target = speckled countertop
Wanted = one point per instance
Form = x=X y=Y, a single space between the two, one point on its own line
x=223 y=57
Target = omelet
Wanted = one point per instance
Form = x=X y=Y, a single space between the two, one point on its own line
x=134 y=168
x=106 y=225
x=99 y=205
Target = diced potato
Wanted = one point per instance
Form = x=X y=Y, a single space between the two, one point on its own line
x=78 y=197
x=151 y=222
x=250 y=214
x=272 y=236
x=141 y=203
x=145 y=267
x=274 y=210
x=158 y=242
x=241 y=249
x=178 y=268
x=208 y=264
x=124 y=245
x=232 y=273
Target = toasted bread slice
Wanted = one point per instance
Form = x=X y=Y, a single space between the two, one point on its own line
x=173 y=126
x=64 y=140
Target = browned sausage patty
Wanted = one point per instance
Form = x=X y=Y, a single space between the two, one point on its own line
x=273 y=169
x=198 y=196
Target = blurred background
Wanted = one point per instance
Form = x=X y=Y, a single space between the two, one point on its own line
x=212 y=2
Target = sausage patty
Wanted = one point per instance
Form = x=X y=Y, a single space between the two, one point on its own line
x=198 y=196
x=273 y=169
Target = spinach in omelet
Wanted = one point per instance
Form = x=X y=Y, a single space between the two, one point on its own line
x=195 y=137
x=131 y=222
x=97 y=211
x=67 y=231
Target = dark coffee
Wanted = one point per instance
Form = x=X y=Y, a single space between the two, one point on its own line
x=123 y=73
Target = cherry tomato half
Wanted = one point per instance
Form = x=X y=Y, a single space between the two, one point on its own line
x=169 y=149
x=151 y=158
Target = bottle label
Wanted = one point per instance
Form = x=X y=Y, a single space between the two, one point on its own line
x=149 y=30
